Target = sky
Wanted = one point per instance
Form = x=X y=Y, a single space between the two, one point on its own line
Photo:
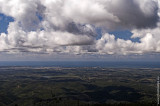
x=90 y=30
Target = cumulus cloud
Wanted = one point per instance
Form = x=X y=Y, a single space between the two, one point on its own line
x=69 y=26
x=113 y=13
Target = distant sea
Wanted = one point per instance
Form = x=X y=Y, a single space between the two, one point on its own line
x=104 y=64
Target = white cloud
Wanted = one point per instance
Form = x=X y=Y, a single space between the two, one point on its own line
x=69 y=26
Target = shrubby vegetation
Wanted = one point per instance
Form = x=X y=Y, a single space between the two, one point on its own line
x=51 y=86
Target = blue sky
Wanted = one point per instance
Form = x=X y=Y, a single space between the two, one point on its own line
x=86 y=30
x=4 y=22
x=124 y=34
